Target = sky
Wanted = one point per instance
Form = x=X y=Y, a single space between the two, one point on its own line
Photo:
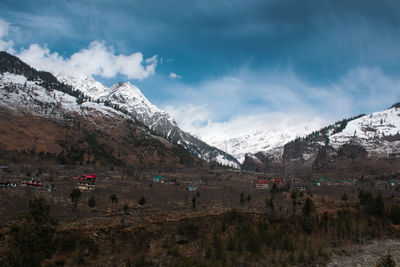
x=222 y=68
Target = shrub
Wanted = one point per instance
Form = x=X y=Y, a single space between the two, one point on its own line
x=142 y=201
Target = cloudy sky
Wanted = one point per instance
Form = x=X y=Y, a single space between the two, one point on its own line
x=222 y=67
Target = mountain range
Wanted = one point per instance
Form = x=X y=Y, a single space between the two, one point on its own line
x=78 y=120
x=362 y=145
x=37 y=93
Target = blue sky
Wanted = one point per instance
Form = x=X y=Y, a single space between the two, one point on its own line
x=217 y=63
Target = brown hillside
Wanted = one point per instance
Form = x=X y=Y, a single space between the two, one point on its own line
x=93 y=139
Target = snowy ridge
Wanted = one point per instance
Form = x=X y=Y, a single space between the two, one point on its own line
x=129 y=97
x=85 y=84
x=373 y=137
x=258 y=140
x=19 y=94
x=371 y=132
x=124 y=94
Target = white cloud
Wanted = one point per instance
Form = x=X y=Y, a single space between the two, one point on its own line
x=277 y=100
x=4 y=30
x=96 y=59
x=174 y=76
x=195 y=119
x=190 y=117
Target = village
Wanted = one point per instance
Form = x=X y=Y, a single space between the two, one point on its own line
x=172 y=194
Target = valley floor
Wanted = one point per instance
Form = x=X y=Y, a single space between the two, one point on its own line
x=226 y=221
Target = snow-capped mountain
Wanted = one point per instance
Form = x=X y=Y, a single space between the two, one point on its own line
x=364 y=138
x=130 y=99
x=375 y=132
x=257 y=140
x=22 y=95
x=40 y=114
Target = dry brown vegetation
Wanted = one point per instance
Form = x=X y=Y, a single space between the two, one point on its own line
x=167 y=230
x=90 y=140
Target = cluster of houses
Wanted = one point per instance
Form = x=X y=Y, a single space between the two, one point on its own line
x=267 y=182
x=36 y=183
x=30 y=182
x=86 y=182
x=162 y=180
x=7 y=185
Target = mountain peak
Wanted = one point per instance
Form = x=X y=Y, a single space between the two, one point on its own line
x=127 y=89
x=85 y=84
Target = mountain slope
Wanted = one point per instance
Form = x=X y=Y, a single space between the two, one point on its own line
x=44 y=120
x=365 y=144
x=130 y=99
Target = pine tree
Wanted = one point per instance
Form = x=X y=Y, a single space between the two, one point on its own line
x=92 y=202
x=194 y=202
x=75 y=195
x=379 y=206
x=114 y=200
x=308 y=207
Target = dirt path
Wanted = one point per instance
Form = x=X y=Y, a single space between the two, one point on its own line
x=366 y=255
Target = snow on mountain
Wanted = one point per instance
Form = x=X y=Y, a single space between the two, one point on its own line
x=369 y=131
x=257 y=140
x=19 y=94
x=129 y=98
x=372 y=132
x=124 y=94
x=85 y=84
x=372 y=140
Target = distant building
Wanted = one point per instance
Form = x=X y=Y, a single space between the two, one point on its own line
x=32 y=182
x=8 y=185
x=191 y=189
x=4 y=169
x=86 y=182
x=299 y=188
x=158 y=179
x=261 y=184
